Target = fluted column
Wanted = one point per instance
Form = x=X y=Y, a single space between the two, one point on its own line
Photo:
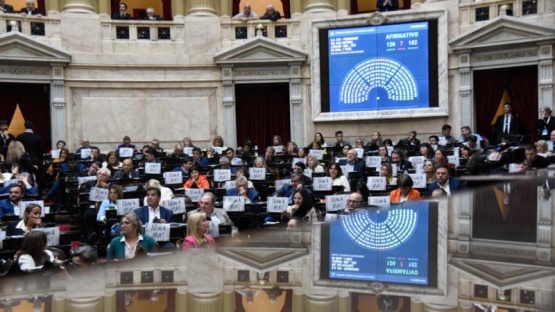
x=297 y=7
x=58 y=303
x=79 y=6
x=110 y=302
x=85 y=305
x=205 y=302
x=52 y=5
x=319 y=5
x=228 y=300
x=182 y=300
x=343 y=5
x=343 y=302
x=201 y=7
x=104 y=7
x=320 y=303
x=225 y=7
x=298 y=302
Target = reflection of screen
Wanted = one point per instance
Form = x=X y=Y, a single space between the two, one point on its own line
x=382 y=67
x=396 y=245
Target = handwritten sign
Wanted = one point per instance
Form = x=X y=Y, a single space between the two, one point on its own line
x=454 y=159
x=173 y=177
x=360 y=152
x=188 y=151
x=24 y=203
x=177 y=205
x=419 y=168
x=380 y=201
x=336 y=202
x=52 y=235
x=322 y=184
x=394 y=169
x=257 y=174
x=221 y=175
x=159 y=231
x=125 y=152
x=55 y=154
x=98 y=194
x=235 y=161
x=126 y=206
x=419 y=180
x=83 y=180
x=373 y=161
x=341 y=159
x=281 y=183
x=442 y=140
x=194 y=194
x=278 y=149
x=389 y=150
x=277 y=204
x=318 y=153
x=296 y=160
x=234 y=203
x=214 y=227
x=85 y=152
x=376 y=183
x=308 y=173
x=153 y=168
x=218 y=149
x=417 y=160
x=549 y=145
x=230 y=184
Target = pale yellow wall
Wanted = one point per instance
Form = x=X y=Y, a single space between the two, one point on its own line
x=370 y=5
x=143 y=4
x=18 y=4
x=259 y=6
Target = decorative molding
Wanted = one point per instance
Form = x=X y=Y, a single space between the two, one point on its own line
x=24 y=70
x=261 y=72
x=504 y=55
x=377 y=18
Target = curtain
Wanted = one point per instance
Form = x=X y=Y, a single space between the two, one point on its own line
x=488 y=90
x=262 y=111
x=522 y=85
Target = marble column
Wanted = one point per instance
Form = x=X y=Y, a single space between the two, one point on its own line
x=298 y=302
x=201 y=7
x=465 y=89
x=545 y=75
x=110 y=302
x=320 y=303
x=296 y=100
x=296 y=7
x=228 y=100
x=225 y=8
x=319 y=5
x=104 y=7
x=58 y=104
x=182 y=300
x=79 y=6
x=52 y=5
x=85 y=305
x=58 y=303
x=205 y=302
x=343 y=5
x=344 y=301
x=416 y=306
x=228 y=300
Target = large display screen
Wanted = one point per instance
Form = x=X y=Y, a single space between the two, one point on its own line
x=396 y=245
x=383 y=67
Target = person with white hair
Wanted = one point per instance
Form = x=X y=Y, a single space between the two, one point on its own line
x=150 y=16
x=271 y=14
x=165 y=191
x=29 y=8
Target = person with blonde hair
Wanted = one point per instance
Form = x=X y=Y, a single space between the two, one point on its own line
x=197 y=232
x=131 y=241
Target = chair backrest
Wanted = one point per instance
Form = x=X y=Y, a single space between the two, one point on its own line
x=58 y=253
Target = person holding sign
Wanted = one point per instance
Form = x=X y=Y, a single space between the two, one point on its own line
x=398 y=158
x=196 y=180
x=131 y=241
x=277 y=142
x=338 y=179
x=33 y=253
x=197 y=229
x=149 y=154
x=64 y=152
x=241 y=189
x=225 y=164
x=302 y=210
x=404 y=191
x=115 y=193
x=31 y=219
x=153 y=212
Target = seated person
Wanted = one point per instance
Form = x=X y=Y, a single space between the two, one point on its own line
x=302 y=210
x=30 y=9
x=7 y=206
x=131 y=241
x=398 y=158
x=224 y=164
x=185 y=168
x=196 y=180
x=197 y=232
x=152 y=212
x=72 y=165
x=115 y=193
x=271 y=14
x=95 y=155
x=112 y=162
x=234 y=161
x=198 y=160
x=243 y=172
x=218 y=215
x=287 y=190
x=241 y=189
x=127 y=144
x=127 y=172
x=122 y=13
x=23 y=180
x=149 y=157
x=33 y=254
x=177 y=152
x=166 y=192
x=5 y=8
x=355 y=165
x=269 y=157
x=387 y=5
x=404 y=191
x=31 y=219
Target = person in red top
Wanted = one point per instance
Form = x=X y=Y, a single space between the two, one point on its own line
x=197 y=229
x=196 y=180
x=404 y=191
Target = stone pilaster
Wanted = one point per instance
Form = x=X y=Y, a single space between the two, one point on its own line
x=205 y=302
x=201 y=7
x=545 y=75
x=319 y=5
x=320 y=303
x=79 y=6
x=465 y=90
x=85 y=305
x=58 y=109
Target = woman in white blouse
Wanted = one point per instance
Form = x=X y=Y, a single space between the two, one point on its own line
x=337 y=177
x=313 y=165
x=33 y=254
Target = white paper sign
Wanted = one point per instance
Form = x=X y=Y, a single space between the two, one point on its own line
x=98 y=194
x=389 y=150
x=376 y=183
x=380 y=201
x=277 y=204
x=278 y=149
x=236 y=161
x=221 y=175
x=159 y=231
x=218 y=149
x=234 y=203
x=419 y=180
x=188 y=151
x=330 y=217
x=173 y=177
x=308 y=173
x=194 y=194
x=417 y=160
x=419 y=168
x=83 y=180
x=257 y=174
x=214 y=228
x=373 y=161
x=454 y=159
x=322 y=184
x=55 y=154
x=442 y=140
x=336 y=202
x=319 y=154
x=281 y=183
x=549 y=145
x=125 y=152
x=52 y=235
x=153 y=168
x=296 y=160
x=394 y=170
x=177 y=205
x=10 y=182
x=434 y=146
x=85 y=152
x=126 y=206
x=513 y=167
x=360 y=152
x=2 y=236
x=230 y=184
x=24 y=203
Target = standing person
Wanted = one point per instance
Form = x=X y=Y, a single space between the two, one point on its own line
x=446 y=134
x=546 y=123
x=5 y=136
x=6 y=8
x=197 y=232
x=131 y=240
x=339 y=143
x=30 y=9
x=507 y=124
x=246 y=15
x=32 y=143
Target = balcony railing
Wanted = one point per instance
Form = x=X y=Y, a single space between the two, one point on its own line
x=140 y=30
x=484 y=10
x=43 y=26
x=281 y=29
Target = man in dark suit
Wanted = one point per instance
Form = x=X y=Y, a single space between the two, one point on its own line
x=536 y=161
x=7 y=206
x=29 y=8
x=150 y=16
x=5 y=136
x=127 y=172
x=355 y=165
x=241 y=189
x=32 y=143
x=546 y=124
x=153 y=212
x=6 y=8
x=397 y=158
x=507 y=124
x=122 y=13
x=297 y=180
x=444 y=181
